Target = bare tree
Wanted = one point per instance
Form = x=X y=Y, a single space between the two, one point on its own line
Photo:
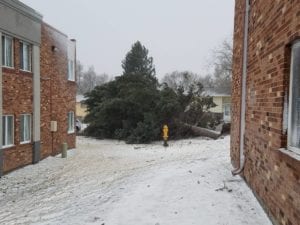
x=222 y=67
x=79 y=77
x=88 y=80
x=184 y=80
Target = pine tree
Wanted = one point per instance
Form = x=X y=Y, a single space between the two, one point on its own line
x=125 y=108
x=133 y=107
x=137 y=62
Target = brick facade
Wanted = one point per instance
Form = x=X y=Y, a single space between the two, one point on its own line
x=58 y=95
x=17 y=100
x=273 y=175
x=19 y=90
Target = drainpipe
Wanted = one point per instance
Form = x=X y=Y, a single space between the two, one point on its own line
x=240 y=169
x=1 y=93
x=36 y=105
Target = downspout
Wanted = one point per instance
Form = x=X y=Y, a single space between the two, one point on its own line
x=36 y=104
x=240 y=169
x=1 y=110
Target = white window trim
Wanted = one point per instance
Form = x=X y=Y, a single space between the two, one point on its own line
x=30 y=56
x=12 y=52
x=13 y=133
x=226 y=105
x=71 y=76
x=289 y=147
x=29 y=141
x=72 y=131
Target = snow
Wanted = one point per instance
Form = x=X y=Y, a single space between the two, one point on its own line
x=111 y=183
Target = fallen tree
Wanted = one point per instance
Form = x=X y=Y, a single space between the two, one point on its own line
x=200 y=131
x=134 y=107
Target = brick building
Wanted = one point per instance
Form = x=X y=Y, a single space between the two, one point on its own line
x=265 y=143
x=38 y=89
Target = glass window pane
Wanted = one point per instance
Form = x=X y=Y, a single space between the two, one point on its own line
x=25 y=55
x=3 y=130
x=29 y=52
x=226 y=110
x=8 y=51
x=70 y=121
x=25 y=128
x=21 y=55
x=72 y=117
x=3 y=50
x=9 y=130
x=71 y=70
x=22 y=129
x=294 y=136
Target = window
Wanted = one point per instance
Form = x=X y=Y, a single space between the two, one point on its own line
x=7 y=131
x=7 y=51
x=25 y=128
x=294 y=101
x=227 y=110
x=226 y=114
x=71 y=71
x=71 y=122
x=25 y=56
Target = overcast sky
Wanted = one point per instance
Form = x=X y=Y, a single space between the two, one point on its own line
x=180 y=34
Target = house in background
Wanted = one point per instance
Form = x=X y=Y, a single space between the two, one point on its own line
x=265 y=129
x=81 y=108
x=223 y=105
x=37 y=87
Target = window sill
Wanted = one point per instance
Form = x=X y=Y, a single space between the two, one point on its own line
x=290 y=153
x=71 y=80
x=8 y=146
x=25 y=71
x=8 y=67
x=71 y=132
x=25 y=142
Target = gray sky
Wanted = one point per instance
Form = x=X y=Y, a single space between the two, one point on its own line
x=180 y=34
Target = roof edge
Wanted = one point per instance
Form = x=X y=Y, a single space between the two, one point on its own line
x=23 y=9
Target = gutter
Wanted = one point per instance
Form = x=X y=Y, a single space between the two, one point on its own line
x=240 y=169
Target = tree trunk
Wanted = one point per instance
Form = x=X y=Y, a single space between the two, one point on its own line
x=200 y=131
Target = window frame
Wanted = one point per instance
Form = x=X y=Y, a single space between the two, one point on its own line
x=72 y=130
x=22 y=44
x=71 y=70
x=30 y=129
x=4 y=132
x=4 y=58
x=290 y=99
x=228 y=107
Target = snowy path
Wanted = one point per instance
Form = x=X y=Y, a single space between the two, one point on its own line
x=110 y=183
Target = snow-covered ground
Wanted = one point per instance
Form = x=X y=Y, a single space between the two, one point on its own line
x=111 y=183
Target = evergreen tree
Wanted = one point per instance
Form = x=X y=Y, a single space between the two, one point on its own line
x=125 y=108
x=133 y=107
x=138 y=62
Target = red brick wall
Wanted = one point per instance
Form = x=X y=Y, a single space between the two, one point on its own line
x=274 y=176
x=58 y=94
x=17 y=100
x=57 y=99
